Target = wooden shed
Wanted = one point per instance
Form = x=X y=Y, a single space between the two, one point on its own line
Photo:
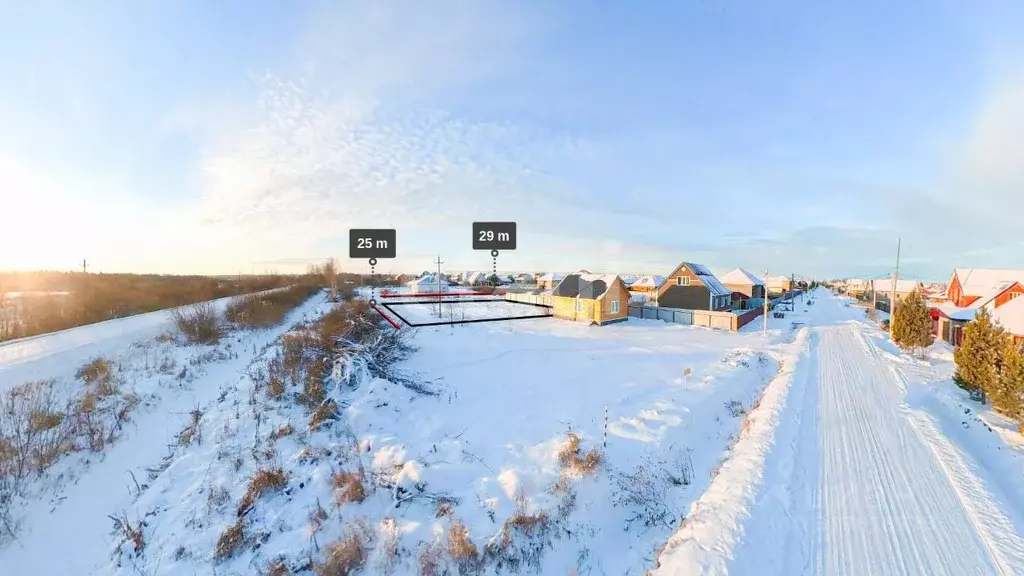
x=593 y=298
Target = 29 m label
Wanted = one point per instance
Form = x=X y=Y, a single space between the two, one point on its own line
x=371 y=243
x=494 y=235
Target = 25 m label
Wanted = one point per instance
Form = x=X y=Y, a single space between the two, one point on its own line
x=371 y=243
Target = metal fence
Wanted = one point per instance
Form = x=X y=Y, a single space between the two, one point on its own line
x=719 y=320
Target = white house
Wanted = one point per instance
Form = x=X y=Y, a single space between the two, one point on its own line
x=428 y=285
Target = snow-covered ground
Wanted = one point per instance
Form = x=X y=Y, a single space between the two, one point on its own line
x=457 y=311
x=817 y=448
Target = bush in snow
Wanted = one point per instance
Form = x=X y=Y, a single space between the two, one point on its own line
x=229 y=541
x=198 y=322
x=911 y=325
x=646 y=491
x=265 y=480
x=347 y=554
x=349 y=486
x=573 y=460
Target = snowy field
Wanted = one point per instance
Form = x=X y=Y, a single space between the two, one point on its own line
x=458 y=311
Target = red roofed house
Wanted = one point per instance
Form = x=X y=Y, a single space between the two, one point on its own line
x=971 y=289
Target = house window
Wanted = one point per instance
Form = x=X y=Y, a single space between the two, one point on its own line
x=683 y=281
x=1013 y=295
x=615 y=306
x=579 y=305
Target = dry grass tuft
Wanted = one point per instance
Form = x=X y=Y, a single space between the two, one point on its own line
x=345 y=556
x=282 y=431
x=572 y=459
x=317 y=517
x=460 y=548
x=265 y=480
x=277 y=567
x=230 y=541
x=43 y=420
x=431 y=559
x=99 y=374
x=193 y=432
x=325 y=412
x=200 y=323
x=443 y=508
x=349 y=486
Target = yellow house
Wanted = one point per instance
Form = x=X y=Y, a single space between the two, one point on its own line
x=593 y=298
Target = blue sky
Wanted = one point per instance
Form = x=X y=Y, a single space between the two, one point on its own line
x=241 y=136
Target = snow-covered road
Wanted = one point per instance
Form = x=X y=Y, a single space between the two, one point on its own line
x=887 y=505
x=862 y=484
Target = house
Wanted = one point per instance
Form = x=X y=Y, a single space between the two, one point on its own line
x=428 y=284
x=857 y=287
x=997 y=286
x=779 y=284
x=646 y=284
x=693 y=287
x=549 y=280
x=744 y=285
x=593 y=298
x=525 y=278
x=1011 y=317
x=474 y=279
x=970 y=290
x=884 y=288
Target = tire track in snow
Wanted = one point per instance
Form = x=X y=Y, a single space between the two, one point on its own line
x=889 y=507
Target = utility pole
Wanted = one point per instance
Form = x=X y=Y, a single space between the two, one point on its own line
x=764 y=330
x=895 y=278
x=874 y=300
x=84 y=266
x=440 y=314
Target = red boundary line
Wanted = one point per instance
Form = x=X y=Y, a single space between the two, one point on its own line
x=436 y=294
x=388 y=318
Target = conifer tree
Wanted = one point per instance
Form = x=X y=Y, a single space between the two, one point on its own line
x=1008 y=397
x=911 y=325
x=979 y=356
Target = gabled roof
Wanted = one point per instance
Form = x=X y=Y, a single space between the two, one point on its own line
x=1011 y=316
x=991 y=295
x=428 y=279
x=707 y=278
x=741 y=276
x=649 y=281
x=589 y=286
x=883 y=285
x=980 y=281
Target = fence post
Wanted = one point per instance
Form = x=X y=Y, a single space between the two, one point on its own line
x=605 y=442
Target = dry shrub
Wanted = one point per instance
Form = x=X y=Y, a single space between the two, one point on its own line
x=129 y=532
x=99 y=374
x=325 y=412
x=431 y=559
x=572 y=460
x=443 y=508
x=43 y=420
x=230 y=540
x=265 y=480
x=460 y=548
x=317 y=517
x=267 y=309
x=282 y=431
x=198 y=322
x=193 y=432
x=349 y=486
x=277 y=567
x=275 y=378
x=389 y=547
x=344 y=556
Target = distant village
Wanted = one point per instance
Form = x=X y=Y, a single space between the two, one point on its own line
x=688 y=294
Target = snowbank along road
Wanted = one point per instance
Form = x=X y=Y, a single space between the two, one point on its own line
x=862 y=487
